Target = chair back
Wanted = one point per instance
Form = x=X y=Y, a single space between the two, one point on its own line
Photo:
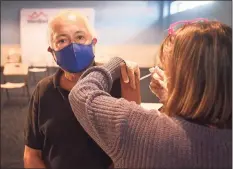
x=14 y=57
x=12 y=69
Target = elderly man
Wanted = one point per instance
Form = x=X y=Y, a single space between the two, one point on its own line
x=53 y=136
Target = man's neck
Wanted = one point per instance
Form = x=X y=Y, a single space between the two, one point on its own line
x=68 y=80
x=72 y=77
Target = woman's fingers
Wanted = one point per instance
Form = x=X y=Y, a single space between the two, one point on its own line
x=159 y=72
x=155 y=76
x=160 y=93
x=151 y=70
x=157 y=82
x=155 y=91
x=158 y=86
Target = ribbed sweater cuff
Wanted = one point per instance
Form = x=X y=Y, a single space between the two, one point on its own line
x=111 y=72
x=113 y=67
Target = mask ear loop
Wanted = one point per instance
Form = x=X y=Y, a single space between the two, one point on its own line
x=50 y=50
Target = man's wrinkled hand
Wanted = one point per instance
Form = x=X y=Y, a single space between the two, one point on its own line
x=130 y=73
x=158 y=84
x=130 y=82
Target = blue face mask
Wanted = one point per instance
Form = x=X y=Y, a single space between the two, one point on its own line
x=75 y=57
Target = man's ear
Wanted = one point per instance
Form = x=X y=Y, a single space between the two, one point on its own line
x=94 y=41
x=50 y=50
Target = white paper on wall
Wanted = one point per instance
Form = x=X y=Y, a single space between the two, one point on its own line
x=33 y=34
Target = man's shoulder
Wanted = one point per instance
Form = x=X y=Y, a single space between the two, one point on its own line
x=45 y=85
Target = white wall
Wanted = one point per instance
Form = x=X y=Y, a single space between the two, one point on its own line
x=34 y=34
x=127 y=29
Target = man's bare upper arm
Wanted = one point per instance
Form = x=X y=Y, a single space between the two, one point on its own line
x=30 y=152
x=32 y=158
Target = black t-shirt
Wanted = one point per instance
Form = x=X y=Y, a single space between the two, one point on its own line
x=52 y=128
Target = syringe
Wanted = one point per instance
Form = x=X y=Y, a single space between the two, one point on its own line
x=148 y=75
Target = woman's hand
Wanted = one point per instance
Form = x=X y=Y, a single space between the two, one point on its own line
x=158 y=84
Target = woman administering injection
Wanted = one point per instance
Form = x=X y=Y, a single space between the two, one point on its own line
x=195 y=128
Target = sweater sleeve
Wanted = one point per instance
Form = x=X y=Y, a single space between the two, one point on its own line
x=103 y=117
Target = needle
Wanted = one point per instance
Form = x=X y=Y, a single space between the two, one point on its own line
x=146 y=76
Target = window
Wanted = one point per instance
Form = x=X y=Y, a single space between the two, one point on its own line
x=179 y=6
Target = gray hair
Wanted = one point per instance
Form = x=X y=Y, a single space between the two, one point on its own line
x=71 y=13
